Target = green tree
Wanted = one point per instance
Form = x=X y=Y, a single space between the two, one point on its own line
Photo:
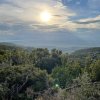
x=19 y=78
x=95 y=70
x=64 y=75
x=83 y=89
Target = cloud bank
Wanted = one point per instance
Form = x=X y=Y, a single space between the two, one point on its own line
x=25 y=13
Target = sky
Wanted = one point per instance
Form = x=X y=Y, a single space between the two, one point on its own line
x=73 y=23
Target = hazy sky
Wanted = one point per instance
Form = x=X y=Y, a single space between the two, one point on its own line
x=73 y=22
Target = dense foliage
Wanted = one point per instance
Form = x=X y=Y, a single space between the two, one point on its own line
x=25 y=74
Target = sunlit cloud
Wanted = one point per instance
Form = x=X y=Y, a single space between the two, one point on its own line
x=90 y=20
x=26 y=13
x=29 y=14
x=89 y=23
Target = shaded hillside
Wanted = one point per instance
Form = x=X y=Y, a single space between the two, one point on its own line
x=8 y=46
x=84 y=52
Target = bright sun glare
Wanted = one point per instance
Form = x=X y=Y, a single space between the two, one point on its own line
x=45 y=16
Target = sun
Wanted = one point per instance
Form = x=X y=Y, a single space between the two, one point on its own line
x=45 y=16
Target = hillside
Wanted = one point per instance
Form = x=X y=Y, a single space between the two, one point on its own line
x=8 y=46
x=28 y=74
x=85 y=52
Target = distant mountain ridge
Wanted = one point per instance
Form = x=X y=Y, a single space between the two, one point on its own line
x=85 y=52
x=93 y=49
x=8 y=46
x=72 y=50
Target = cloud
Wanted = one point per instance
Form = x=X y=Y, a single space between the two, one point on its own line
x=4 y=33
x=89 y=23
x=28 y=12
x=90 y=20
x=25 y=15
